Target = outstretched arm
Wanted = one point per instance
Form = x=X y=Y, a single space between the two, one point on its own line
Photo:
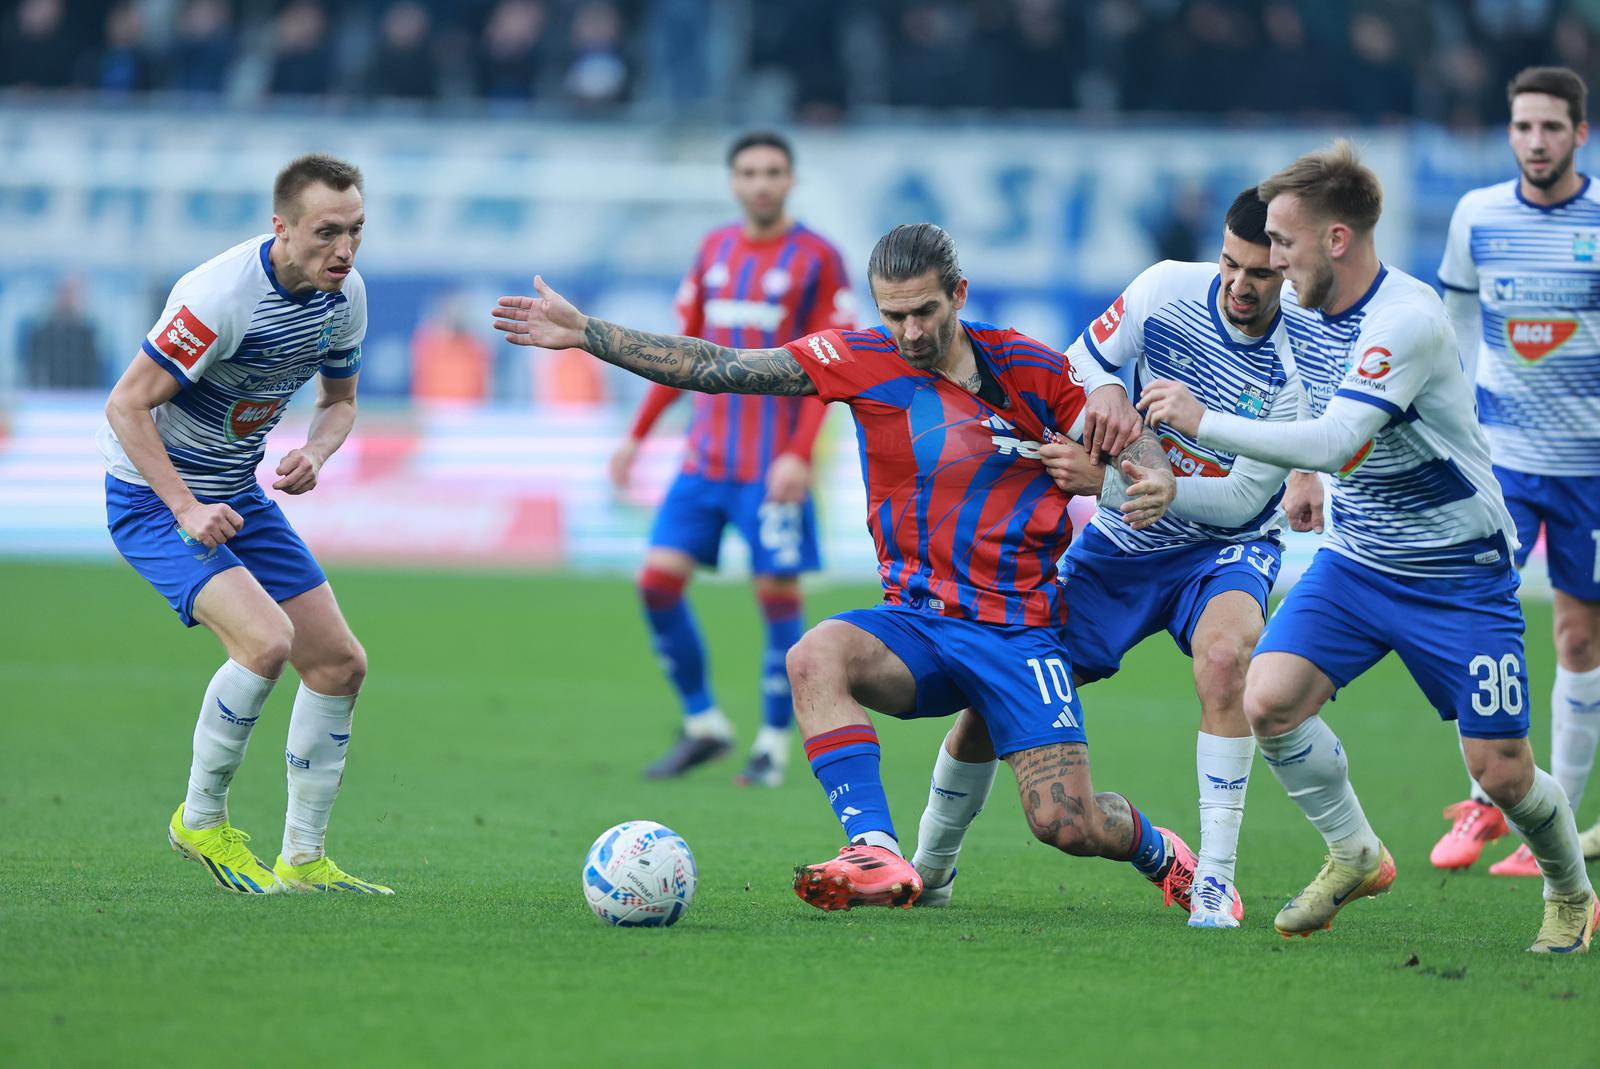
x=550 y=321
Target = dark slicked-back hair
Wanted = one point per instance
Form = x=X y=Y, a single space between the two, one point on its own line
x=316 y=168
x=1333 y=185
x=761 y=139
x=1556 y=81
x=912 y=250
x=1247 y=217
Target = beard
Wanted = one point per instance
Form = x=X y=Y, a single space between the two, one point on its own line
x=1558 y=171
x=1318 y=288
x=938 y=346
x=1242 y=322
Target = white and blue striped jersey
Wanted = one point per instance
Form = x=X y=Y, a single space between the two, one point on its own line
x=1169 y=325
x=1535 y=270
x=1419 y=498
x=239 y=345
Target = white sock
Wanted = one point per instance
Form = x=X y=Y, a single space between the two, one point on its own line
x=1222 y=767
x=879 y=838
x=319 y=737
x=231 y=707
x=708 y=724
x=1310 y=763
x=774 y=742
x=1575 y=729
x=1544 y=820
x=956 y=795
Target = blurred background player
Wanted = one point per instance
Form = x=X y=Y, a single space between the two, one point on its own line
x=757 y=283
x=1202 y=573
x=1521 y=273
x=185 y=430
x=968 y=526
x=1419 y=560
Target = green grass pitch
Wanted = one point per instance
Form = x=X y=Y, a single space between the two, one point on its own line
x=502 y=728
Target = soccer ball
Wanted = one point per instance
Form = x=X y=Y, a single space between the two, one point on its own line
x=639 y=875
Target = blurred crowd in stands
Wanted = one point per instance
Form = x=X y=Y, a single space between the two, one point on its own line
x=1369 y=61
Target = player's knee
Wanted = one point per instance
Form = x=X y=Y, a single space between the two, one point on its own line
x=1577 y=642
x=815 y=661
x=266 y=649
x=968 y=739
x=1502 y=767
x=1220 y=672
x=352 y=668
x=1066 y=834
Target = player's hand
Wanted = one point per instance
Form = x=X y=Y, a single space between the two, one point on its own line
x=1110 y=423
x=299 y=470
x=1302 y=501
x=1150 y=493
x=620 y=466
x=1075 y=470
x=548 y=320
x=210 y=525
x=1169 y=402
x=788 y=479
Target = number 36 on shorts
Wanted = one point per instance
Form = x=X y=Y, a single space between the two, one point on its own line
x=1499 y=681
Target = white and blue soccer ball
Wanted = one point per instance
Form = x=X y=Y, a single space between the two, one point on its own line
x=639 y=874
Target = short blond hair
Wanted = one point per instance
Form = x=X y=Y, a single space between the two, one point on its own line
x=1333 y=184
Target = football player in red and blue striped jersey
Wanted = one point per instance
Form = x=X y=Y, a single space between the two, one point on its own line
x=762 y=281
x=953 y=419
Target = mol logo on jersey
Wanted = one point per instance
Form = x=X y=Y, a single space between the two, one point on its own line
x=1186 y=461
x=185 y=339
x=1535 y=339
x=248 y=416
x=1107 y=324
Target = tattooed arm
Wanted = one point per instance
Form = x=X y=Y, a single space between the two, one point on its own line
x=1151 y=486
x=550 y=321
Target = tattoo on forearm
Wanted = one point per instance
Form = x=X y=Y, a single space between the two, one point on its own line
x=695 y=364
x=1145 y=451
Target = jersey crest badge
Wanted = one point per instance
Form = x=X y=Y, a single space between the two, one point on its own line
x=775 y=283
x=1252 y=402
x=1584 y=244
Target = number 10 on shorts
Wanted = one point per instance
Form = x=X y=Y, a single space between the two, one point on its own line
x=1060 y=680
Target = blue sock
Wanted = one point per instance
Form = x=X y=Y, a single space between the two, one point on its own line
x=1149 y=847
x=845 y=761
x=676 y=639
x=784 y=625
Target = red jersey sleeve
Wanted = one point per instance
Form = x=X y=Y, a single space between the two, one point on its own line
x=690 y=301
x=834 y=307
x=655 y=402
x=842 y=364
x=1057 y=385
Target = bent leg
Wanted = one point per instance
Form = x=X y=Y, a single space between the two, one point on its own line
x=332 y=666
x=834 y=670
x=258 y=637
x=1224 y=748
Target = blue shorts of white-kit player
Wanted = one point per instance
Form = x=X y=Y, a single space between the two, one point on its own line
x=782 y=536
x=1117 y=599
x=1018 y=678
x=1568 y=507
x=178 y=566
x=1459 y=637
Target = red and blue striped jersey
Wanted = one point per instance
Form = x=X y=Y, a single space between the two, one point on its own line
x=965 y=520
x=754 y=295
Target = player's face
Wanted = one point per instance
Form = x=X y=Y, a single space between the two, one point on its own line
x=1544 y=138
x=761 y=181
x=1300 y=250
x=320 y=245
x=921 y=317
x=1250 y=284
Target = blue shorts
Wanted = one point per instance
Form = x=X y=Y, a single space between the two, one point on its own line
x=1460 y=638
x=1568 y=507
x=782 y=537
x=1117 y=599
x=1019 y=679
x=148 y=538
